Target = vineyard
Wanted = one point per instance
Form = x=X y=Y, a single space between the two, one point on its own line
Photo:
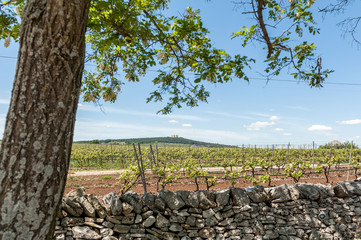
x=208 y=167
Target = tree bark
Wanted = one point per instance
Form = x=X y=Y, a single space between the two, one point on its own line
x=39 y=128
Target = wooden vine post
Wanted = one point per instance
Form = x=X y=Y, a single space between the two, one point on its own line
x=140 y=166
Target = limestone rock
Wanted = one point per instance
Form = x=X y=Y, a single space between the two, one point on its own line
x=71 y=207
x=93 y=225
x=159 y=203
x=280 y=193
x=112 y=204
x=147 y=214
x=161 y=221
x=148 y=199
x=347 y=188
x=151 y=237
x=207 y=233
x=127 y=208
x=340 y=190
x=170 y=236
x=149 y=221
x=106 y=232
x=172 y=200
x=80 y=232
x=185 y=238
x=87 y=207
x=60 y=237
x=153 y=202
x=138 y=219
x=189 y=198
x=74 y=194
x=269 y=234
x=222 y=197
x=134 y=200
x=208 y=213
x=293 y=212
x=121 y=228
x=70 y=222
x=129 y=220
x=204 y=201
x=240 y=197
x=175 y=227
x=109 y=238
x=310 y=191
x=157 y=233
x=97 y=206
x=257 y=194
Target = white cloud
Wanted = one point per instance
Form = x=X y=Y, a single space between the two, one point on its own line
x=350 y=122
x=80 y=105
x=173 y=121
x=249 y=116
x=317 y=127
x=4 y=101
x=279 y=129
x=256 y=126
x=287 y=134
x=187 y=125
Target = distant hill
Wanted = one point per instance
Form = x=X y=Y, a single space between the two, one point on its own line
x=158 y=141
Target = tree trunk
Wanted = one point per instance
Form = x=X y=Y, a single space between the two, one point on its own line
x=39 y=128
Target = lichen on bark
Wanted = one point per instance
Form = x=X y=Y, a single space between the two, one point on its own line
x=38 y=134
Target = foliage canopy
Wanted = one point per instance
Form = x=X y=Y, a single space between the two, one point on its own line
x=345 y=145
x=137 y=36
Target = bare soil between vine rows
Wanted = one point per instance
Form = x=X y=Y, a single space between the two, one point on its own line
x=100 y=183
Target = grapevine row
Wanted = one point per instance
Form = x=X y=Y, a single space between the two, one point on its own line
x=168 y=164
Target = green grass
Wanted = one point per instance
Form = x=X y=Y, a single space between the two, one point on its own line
x=76 y=178
x=107 y=177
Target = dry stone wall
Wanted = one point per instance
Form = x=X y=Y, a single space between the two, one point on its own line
x=294 y=212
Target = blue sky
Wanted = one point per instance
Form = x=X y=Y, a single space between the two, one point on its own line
x=237 y=113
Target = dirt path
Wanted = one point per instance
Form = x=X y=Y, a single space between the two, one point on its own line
x=115 y=172
x=85 y=173
x=94 y=173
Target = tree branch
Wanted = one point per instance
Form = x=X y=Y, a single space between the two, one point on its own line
x=263 y=27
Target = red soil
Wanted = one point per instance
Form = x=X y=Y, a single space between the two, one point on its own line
x=103 y=183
